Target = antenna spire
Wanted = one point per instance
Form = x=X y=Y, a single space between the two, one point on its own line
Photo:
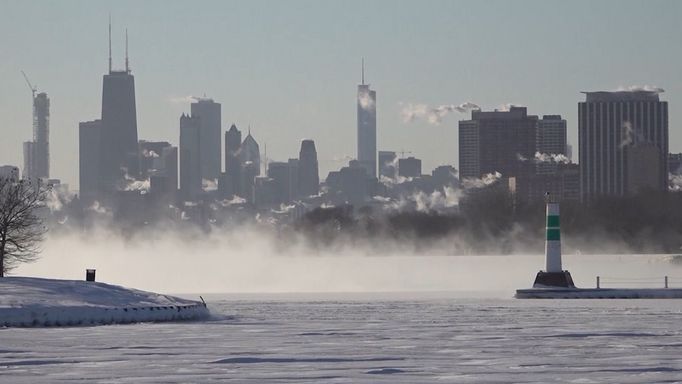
x=127 y=65
x=109 y=42
x=363 y=71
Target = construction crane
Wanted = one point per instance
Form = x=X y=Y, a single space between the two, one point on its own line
x=403 y=152
x=33 y=88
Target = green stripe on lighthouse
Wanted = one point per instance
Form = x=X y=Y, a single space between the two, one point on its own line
x=552 y=221
x=553 y=234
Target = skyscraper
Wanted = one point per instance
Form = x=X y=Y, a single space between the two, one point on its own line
x=209 y=114
x=279 y=172
x=89 y=157
x=190 y=167
x=495 y=142
x=37 y=152
x=367 y=127
x=233 y=143
x=309 y=177
x=249 y=157
x=119 y=125
x=615 y=129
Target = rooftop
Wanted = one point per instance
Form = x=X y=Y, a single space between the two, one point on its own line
x=626 y=95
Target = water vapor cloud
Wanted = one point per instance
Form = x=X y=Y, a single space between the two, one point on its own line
x=639 y=88
x=433 y=114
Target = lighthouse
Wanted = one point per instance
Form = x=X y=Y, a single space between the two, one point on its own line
x=553 y=276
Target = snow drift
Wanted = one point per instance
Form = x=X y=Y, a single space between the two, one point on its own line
x=27 y=301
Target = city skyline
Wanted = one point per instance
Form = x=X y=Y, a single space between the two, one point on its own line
x=309 y=92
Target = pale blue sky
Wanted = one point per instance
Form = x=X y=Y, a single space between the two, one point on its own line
x=290 y=68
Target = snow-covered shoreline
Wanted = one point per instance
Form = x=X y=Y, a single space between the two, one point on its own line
x=30 y=302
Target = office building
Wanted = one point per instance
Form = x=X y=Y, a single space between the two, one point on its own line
x=496 y=142
x=410 y=167
x=209 y=114
x=118 y=146
x=550 y=139
x=89 y=157
x=614 y=126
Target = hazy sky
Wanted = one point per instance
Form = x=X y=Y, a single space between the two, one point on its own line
x=290 y=68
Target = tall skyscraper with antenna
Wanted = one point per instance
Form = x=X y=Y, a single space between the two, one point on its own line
x=118 y=146
x=367 y=126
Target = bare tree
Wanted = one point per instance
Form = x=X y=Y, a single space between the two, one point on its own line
x=21 y=228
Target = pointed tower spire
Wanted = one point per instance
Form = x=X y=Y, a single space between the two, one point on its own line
x=363 y=71
x=110 y=43
x=127 y=63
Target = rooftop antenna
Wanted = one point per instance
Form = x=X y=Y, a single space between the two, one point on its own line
x=110 y=43
x=127 y=64
x=363 y=71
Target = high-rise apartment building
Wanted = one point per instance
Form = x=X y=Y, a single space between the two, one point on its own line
x=614 y=130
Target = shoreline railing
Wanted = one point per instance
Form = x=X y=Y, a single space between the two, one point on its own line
x=637 y=282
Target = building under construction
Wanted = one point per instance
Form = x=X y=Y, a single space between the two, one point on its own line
x=37 y=152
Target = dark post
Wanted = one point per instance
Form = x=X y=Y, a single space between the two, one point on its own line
x=89 y=275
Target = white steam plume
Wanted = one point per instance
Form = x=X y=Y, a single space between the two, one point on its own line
x=506 y=107
x=639 y=88
x=488 y=179
x=132 y=184
x=628 y=134
x=433 y=115
x=674 y=182
x=149 y=153
x=559 y=158
x=365 y=101
x=181 y=99
x=209 y=185
x=57 y=197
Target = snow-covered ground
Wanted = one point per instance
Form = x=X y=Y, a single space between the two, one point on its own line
x=26 y=301
x=366 y=338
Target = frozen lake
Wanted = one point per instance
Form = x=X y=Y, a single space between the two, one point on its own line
x=411 y=338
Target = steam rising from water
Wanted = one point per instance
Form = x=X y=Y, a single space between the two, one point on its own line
x=254 y=260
